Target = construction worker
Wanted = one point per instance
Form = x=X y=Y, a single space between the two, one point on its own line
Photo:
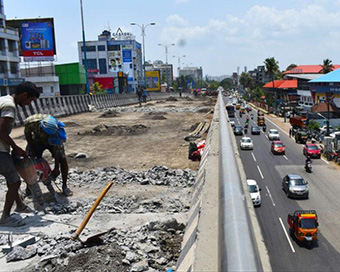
x=46 y=132
x=23 y=95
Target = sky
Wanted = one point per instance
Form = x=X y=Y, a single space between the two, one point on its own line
x=217 y=35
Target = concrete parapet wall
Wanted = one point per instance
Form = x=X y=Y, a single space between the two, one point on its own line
x=73 y=104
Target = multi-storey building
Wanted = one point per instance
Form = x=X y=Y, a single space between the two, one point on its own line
x=9 y=55
x=112 y=55
x=193 y=72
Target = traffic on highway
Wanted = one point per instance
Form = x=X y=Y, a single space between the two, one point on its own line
x=298 y=210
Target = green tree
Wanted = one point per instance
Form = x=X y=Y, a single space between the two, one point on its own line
x=291 y=66
x=163 y=79
x=327 y=66
x=246 y=80
x=97 y=88
x=313 y=125
x=271 y=68
x=227 y=83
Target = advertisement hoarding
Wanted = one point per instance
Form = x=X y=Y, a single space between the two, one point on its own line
x=36 y=38
x=152 y=80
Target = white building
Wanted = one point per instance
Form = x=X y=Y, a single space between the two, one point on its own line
x=9 y=56
x=111 y=54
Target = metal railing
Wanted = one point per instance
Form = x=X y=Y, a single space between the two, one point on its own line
x=238 y=250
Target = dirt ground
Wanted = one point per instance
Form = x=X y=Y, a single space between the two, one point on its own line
x=136 y=139
x=153 y=138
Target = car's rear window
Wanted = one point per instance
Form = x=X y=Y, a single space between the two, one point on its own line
x=246 y=141
x=279 y=144
x=312 y=147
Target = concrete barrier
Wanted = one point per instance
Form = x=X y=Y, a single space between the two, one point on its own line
x=210 y=242
x=73 y=104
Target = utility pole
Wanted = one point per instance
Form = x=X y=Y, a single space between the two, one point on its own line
x=84 y=49
x=166 y=46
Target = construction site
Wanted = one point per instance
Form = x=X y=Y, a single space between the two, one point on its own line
x=140 y=155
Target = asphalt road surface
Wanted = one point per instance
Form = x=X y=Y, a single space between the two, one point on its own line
x=324 y=197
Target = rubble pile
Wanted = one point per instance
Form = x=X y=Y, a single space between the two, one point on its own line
x=166 y=109
x=157 y=175
x=109 y=130
x=154 y=246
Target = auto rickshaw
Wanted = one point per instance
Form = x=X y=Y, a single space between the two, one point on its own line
x=260 y=120
x=301 y=137
x=243 y=110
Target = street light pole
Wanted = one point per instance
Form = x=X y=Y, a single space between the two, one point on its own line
x=328 y=98
x=143 y=27
x=179 y=62
x=166 y=46
x=84 y=49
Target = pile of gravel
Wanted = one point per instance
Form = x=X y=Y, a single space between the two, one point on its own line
x=160 y=110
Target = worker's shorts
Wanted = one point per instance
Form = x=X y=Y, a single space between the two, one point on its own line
x=7 y=168
x=40 y=148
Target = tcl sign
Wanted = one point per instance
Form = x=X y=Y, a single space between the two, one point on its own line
x=37 y=53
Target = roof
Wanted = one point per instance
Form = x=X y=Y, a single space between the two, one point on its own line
x=251 y=182
x=329 y=77
x=294 y=176
x=322 y=107
x=307 y=69
x=304 y=76
x=282 y=84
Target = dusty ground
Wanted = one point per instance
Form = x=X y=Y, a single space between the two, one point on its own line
x=129 y=140
x=159 y=142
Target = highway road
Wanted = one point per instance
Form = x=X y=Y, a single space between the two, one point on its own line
x=324 y=186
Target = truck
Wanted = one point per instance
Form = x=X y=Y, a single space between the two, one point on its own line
x=231 y=111
x=303 y=226
x=298 y=122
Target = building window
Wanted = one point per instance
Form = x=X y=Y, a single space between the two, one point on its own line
x=52 y=89
x=2 y=67
x=40 y=89
x=114 y=47
x=102 y=66
x=11 y=46
x=91 y=48
x=101 y=47
x=91 y=64
x=14 y=67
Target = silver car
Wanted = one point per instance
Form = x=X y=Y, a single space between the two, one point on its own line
x=295 y=185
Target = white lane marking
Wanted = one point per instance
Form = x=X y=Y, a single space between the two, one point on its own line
x=324 y=160
x=284 y=229
x=277 y=126
x=266 y=136
x=270 y=195
x=253 y=156
x=258 y=168
x=285 y=157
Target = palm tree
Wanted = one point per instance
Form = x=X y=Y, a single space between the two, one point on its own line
x=291 y=66
x=271 y=68
x=327 y=66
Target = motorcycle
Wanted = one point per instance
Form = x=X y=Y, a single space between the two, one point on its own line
x=308 y=167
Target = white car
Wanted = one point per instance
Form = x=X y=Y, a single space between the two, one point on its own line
x=232 y=122
x=246 y=143
x=323 y=130
x=254 y=191
x=334 y=134
x=273 y=134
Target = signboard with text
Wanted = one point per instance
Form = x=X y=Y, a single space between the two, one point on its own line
x=153 y=80
x=37 y=41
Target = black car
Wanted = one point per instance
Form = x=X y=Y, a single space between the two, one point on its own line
x=238 y=130
x=255 y=130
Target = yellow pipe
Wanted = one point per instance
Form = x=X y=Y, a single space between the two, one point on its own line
x=91 y=211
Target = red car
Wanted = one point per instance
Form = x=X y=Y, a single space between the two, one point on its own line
x=312 y=150
x=278 y=147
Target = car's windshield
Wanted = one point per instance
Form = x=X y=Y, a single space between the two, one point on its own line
x=256 y=128
x=274 y=132
x=308 y=223
x=312 y=147
x=246 y=140
x=253 y=188
x=279 y=145
x=297 y=182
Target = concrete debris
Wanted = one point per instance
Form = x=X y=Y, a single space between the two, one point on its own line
x=19 y=253
x=142 y=248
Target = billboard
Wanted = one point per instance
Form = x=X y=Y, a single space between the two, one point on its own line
x=36 y=38
x=152 y=80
